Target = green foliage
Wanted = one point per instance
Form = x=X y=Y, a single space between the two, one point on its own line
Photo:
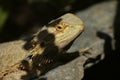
x=3 y=17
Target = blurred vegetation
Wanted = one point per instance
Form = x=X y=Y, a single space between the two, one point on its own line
x=3 y=17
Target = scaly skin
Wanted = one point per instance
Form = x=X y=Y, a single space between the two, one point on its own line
x=42 y=49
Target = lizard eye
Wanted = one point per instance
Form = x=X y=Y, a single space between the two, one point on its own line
x=59 y=28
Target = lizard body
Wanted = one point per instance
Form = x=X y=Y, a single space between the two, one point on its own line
x=46 y=45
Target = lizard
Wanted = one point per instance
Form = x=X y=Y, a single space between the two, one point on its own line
x=48 y=43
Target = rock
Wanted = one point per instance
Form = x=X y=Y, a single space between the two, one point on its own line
x=71 y=71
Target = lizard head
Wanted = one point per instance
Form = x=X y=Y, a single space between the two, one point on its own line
x=66 y=29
